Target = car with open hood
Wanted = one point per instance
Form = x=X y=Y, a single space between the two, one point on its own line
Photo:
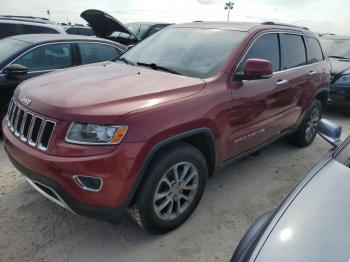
x=312 y=223
x=338 y=50
x=20 y=25
x=106 y=26
x=141 y=135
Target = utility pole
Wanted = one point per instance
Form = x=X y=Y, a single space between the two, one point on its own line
x=49 y=14
x=229 y=7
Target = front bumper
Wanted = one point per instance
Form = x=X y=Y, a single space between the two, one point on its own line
x=54 y=176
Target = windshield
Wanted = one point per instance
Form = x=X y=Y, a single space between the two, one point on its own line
x=194 y=52
x=10 y=47
x=337 y=47
x=138 y=29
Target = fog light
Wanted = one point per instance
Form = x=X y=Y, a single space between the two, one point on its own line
x=89 y=183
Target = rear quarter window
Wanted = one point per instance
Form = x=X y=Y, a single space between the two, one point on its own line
x=293 y=51
x=32 y=29
x=7 y=30
x=314 y=51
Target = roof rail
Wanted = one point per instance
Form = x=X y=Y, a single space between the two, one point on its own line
x=40 y=20
x=283 y=24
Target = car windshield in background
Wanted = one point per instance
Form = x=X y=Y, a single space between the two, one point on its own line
x=10 y=47
x=194 y=52
x=338 y=48
x=138 y=29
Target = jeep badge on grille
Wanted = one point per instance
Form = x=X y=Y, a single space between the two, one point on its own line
x=26 y=101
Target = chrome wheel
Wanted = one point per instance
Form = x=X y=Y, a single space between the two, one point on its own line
x=175 y=191
x=312 y=124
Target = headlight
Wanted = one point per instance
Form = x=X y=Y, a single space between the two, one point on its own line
x=344 y=80
x=90 y=134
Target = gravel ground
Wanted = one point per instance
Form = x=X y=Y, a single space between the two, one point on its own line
x=34 y=229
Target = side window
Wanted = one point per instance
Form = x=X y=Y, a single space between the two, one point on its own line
x=7 y=30
x=32 y=29
x=314 y=51
x=94 y=52
x=48 y=57
x=265 y=47
x=293 y=51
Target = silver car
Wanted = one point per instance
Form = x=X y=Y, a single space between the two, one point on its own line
x=313 y=222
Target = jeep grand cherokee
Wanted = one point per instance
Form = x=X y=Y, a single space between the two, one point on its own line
x=142 y=134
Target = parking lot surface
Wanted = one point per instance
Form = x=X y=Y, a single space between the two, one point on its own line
x=34 y=229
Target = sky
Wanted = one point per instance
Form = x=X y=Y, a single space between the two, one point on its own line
x=322 y=16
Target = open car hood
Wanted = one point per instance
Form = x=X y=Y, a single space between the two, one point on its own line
x=103 y=24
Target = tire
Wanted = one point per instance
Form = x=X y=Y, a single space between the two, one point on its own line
x=307 y=131
x=161 y=183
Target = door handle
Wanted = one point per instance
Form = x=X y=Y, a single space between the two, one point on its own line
x=281 y=82
x=311 y=73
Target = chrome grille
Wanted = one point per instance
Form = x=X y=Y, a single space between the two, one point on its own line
x=28 y=127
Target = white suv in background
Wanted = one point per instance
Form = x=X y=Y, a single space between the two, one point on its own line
x=10 y=26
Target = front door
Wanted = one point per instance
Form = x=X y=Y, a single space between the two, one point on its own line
x=264 y=108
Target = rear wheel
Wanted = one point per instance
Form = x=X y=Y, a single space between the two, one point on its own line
x=307 y=131
x=174 y=185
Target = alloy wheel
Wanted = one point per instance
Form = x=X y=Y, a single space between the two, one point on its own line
x=312 y=124
x=175 y=191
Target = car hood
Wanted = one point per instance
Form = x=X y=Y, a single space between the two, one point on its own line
x=315 y=227
x=340 y=66
x=102 y=93
x=104 y=24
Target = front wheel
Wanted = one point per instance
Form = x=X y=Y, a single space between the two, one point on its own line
x=173 y=187
x=307 y=131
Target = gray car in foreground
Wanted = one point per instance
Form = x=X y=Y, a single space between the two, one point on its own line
x=313 y=222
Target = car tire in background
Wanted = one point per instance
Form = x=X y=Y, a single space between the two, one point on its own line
x=307 y=131
x=173 y=186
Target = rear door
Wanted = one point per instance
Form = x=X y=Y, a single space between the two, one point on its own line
x=293 y=80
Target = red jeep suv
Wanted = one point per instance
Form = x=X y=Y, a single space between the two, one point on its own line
x=142 y=134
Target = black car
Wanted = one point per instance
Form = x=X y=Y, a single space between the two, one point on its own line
x=26 y=56
x=312 y=223
x=106 y=26
x=338 y=51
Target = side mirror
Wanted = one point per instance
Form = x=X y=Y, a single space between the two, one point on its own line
x=330 y=132
x=15 y=70
x=255 y=69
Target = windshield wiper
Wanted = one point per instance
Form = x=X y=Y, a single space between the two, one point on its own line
x=158 y=67
x=339 y=57
x=126 y=61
